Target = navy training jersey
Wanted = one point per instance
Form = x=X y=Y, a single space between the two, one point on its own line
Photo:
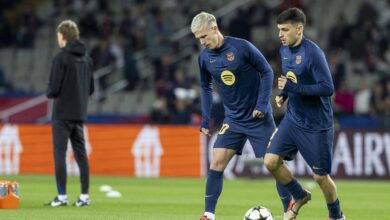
x=243 y=78
x=309 y=86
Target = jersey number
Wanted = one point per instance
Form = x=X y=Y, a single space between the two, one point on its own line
x=223 y=129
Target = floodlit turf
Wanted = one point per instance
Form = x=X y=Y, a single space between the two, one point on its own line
x=182 y=199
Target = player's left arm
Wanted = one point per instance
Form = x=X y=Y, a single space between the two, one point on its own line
x=283 y=95
x=323 y=85
x=258 y=61
x=56 y=77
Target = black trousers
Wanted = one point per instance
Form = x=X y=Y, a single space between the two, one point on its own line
x=62 y=131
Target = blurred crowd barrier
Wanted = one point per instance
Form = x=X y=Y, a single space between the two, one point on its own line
x=178 y=151
x=142 y=151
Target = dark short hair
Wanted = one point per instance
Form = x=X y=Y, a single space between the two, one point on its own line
x=69 y=30
x=292 y=15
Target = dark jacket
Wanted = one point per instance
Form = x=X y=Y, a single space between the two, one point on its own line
x=71 y=82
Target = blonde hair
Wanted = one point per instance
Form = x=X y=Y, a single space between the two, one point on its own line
x=69 y=30
x=201 y=20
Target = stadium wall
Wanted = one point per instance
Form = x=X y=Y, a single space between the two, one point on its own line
x=178 y=151
x=142 y=151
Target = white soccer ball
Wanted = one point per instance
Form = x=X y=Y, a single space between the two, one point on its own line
x=258 y=213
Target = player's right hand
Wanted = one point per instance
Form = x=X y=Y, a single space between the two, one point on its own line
x=205 y=131
x=258 y=114
x=282 y=80
x=279 y=101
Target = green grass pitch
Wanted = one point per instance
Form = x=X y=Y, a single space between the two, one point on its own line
x=182 y=199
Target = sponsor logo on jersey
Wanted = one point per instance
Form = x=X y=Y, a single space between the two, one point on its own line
x=228 y=77
x=291 y=75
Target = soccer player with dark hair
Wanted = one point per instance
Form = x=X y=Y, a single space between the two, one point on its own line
x=244 y=80
x=70 y=85
x=307 y=126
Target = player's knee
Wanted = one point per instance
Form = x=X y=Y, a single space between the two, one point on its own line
x=272 y=163
x=320 y=179
x=218 y=164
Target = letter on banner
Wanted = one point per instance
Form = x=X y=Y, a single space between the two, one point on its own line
x=71 y=165
x=386 y=138
x=10 y=149
x=147 y=151
x=373 y=151
x=342 y=155
x=358 y=153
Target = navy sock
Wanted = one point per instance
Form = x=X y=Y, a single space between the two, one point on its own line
x=334 y=210
x=213 y=190
x=284 y=195
x=295 y=189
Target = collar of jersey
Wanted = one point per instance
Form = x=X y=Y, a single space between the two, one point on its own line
x=220 y=49
x=295 y=49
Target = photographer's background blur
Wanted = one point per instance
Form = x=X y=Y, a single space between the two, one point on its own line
x=146 y=59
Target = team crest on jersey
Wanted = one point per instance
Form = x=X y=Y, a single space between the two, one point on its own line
x=228 y=77
x=230 y=56
x=291 y=76
x=298 y=59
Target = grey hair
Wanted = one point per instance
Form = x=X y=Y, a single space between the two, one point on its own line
x=201 y=20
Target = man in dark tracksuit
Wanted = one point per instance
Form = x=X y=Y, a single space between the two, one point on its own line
x=70 y=85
